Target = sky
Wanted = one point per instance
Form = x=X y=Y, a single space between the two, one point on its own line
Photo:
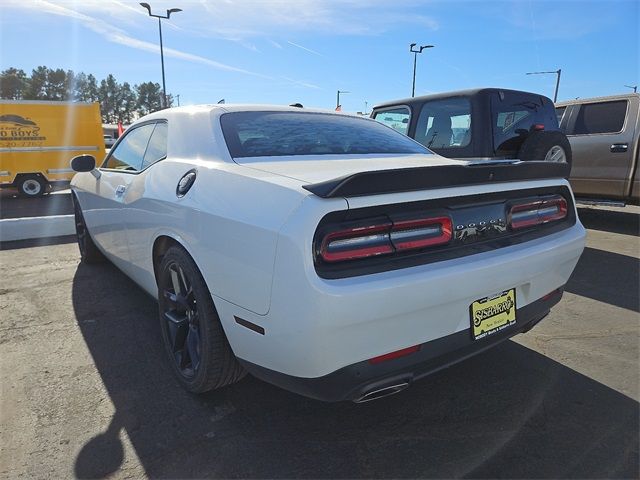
x=285 y=51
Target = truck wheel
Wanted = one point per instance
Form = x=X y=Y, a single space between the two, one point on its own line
x=89 y=253
x=547 y=146
x=198 y=351
x=31 y=186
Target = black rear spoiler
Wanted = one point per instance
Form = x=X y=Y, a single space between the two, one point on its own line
x=429 y=178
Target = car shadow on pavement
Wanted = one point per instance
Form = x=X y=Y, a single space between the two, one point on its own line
x=608 y=277
x=626 y=223
x=509 y=412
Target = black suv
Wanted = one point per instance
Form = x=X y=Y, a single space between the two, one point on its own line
x=487 y=123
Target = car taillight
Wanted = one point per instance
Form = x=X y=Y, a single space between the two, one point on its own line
x=384 y=237
x=425 y=232
x=356 y=242
x=538 y=212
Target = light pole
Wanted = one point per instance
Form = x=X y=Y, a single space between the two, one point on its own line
x=415 y=61
x=558 y=73
x=634 y=87
x=338 y=97
x=160 y=17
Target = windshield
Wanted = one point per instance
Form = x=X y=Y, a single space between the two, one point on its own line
x=265 y=134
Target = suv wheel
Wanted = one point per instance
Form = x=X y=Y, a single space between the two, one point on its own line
x=546 y=146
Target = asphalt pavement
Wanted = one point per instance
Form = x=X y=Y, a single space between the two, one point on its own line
x=86 y=390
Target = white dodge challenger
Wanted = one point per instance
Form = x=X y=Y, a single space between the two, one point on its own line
x=324 y=253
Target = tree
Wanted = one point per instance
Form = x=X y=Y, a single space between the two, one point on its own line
x=13 y=83
x=126 y=103
x=56 y=85
x=108 y=97
x=37 y=84
x=149 y=98
x=83 y=88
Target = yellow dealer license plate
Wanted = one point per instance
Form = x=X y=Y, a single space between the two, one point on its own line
x=492 y=314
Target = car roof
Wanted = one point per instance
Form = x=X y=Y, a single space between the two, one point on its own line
x=443 y=95
x=220 y=109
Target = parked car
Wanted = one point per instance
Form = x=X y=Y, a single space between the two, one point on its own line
x=108 y=141
x=486 y=123
x=604 y=134
x=37 y=138
x=325 y=253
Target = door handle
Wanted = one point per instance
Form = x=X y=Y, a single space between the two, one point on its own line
x=120 y=189
x=619 y=147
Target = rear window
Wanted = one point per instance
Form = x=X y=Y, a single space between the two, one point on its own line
x=265 y=134
x=514 y=116
x=604 y=117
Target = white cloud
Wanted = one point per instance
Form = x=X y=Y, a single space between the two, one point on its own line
x=305 y=49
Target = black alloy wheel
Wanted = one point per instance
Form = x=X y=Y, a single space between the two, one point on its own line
x=89 y=253
x=182 y=320
x=195 y=342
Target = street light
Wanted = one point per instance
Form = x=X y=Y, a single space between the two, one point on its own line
x=415 y=60
x=160 y=17
x=635 y=88
x=558 y=73
x=338 y=97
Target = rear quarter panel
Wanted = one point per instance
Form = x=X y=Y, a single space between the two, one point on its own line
x=228 y=222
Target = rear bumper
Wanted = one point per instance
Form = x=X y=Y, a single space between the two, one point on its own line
x=354 y=381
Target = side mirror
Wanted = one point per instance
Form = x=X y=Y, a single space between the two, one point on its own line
x=83 y=163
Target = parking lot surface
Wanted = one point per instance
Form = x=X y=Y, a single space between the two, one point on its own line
x=86 y=392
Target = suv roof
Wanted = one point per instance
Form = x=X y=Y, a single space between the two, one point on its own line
x=459 y=93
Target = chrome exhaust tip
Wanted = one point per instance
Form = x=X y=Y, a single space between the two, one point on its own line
x=381 y=392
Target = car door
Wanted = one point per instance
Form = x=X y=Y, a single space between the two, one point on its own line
x=601 y=140
x=141 y=213
x=119 y=169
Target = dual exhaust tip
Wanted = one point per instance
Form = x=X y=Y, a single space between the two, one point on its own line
x=378 y=393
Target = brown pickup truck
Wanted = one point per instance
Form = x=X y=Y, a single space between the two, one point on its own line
x=603 y=133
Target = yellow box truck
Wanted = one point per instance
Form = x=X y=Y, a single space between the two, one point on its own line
x=39 y=138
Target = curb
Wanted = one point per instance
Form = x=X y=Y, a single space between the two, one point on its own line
x=27 y=228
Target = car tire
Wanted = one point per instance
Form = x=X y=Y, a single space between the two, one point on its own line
x=196 y=345
x=31 y=186
x=89 y=252
x=546 y=146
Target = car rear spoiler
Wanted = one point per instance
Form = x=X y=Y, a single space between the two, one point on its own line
x=442 y=176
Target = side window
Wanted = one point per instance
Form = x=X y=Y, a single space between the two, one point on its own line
x=129 y=153
x=604 y=117
x=445 y=123
x=560 y=113
x=157 y=148
x=397 y=118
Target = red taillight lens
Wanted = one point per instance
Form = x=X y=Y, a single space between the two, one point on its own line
x=381 y=238
x=356 y=242
x=537 y=212
x=426 y=232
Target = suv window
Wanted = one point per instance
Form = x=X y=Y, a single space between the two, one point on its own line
x=129 y=154
x=157 y=147
x=603 y=117
x=514 y=115
x=265 y=134
x=396 y=118
x=560 y=113
x=445 y=123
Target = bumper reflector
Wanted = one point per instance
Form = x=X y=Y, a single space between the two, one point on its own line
x=397 y=354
